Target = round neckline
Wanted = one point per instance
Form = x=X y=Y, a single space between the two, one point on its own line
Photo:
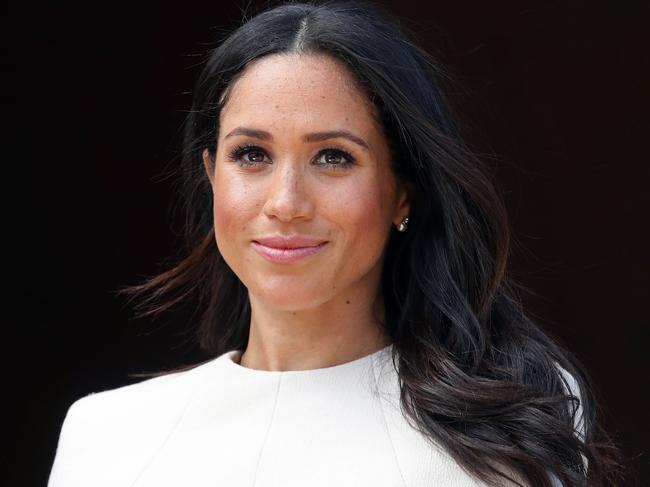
x=230 y=356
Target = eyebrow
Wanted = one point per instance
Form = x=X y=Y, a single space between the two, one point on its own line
x=310 y=137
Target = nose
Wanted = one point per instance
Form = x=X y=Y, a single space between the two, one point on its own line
x=287 y=196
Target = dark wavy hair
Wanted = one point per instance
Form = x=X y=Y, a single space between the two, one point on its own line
x=477 y=375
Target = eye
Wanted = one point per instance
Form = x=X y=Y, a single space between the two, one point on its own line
x=247 y=155
x=336 y=158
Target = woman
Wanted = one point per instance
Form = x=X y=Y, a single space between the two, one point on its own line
x=348 y=255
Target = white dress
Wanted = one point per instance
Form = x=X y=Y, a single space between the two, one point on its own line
x=222 y=424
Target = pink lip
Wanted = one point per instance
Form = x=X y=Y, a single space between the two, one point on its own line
x=287 y=249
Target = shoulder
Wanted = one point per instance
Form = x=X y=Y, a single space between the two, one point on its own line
x=127 y=402
x=147 y=397
x=570 y=382
x=134 y=418
x=572 y=388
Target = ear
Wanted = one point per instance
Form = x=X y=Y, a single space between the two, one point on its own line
x=208 y=164
x=405 y=193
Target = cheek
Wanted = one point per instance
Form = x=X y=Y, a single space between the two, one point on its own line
x=233 y=207
x=363 y=213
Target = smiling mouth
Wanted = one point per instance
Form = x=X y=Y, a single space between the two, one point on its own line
x=286 y=255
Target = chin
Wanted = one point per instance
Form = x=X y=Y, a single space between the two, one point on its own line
x=289 y=298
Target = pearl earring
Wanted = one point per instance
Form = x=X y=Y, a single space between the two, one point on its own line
x=402 y=225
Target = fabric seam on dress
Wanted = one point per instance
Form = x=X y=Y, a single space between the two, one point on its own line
x=268 y=430
x=166 y=440
x=383 y=413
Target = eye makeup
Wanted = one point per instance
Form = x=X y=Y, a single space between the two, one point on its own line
x=241 y=156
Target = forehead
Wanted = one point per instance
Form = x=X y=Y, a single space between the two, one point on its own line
x=312 y=91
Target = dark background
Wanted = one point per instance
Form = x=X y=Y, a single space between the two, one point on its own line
x=554 y=93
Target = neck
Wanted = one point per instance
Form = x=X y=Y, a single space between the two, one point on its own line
x=333 y=333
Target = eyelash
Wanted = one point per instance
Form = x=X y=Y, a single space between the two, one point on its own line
x=237 y=154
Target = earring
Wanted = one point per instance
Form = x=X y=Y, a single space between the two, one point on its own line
x=402 y=225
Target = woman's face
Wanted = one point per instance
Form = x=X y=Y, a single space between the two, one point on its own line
x=275 y=176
